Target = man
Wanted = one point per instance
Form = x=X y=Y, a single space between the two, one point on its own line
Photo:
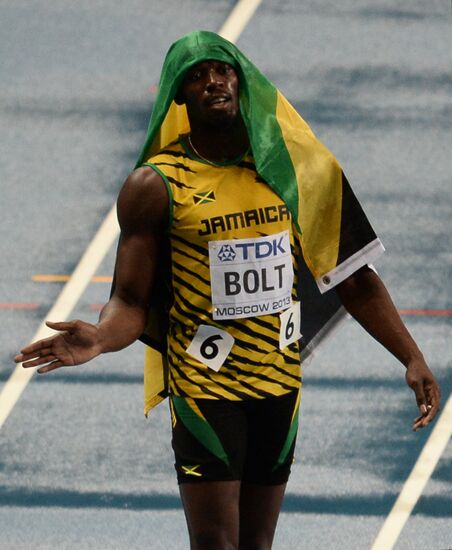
x=241 y=196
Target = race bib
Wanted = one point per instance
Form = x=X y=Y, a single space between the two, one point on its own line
x=251 y=277
x=211 y=346
x=290 y=323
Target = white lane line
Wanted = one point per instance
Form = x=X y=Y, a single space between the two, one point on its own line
x=238 y=19
x=62 y=308
x=417 y=480
x=242 y=12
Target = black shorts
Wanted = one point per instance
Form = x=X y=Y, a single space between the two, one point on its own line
x=221 y=440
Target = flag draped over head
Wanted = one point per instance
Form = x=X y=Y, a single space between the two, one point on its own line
x=336 y=238
x=269 y=118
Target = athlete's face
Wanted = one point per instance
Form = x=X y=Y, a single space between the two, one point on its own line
x=210 y=91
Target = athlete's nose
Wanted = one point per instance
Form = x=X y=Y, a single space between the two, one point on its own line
x=213 y=80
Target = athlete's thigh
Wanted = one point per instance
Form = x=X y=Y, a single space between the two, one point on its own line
x=272 y=425
x=272 y=429
x=259 y=511
x=212 y=513
x=209 y=439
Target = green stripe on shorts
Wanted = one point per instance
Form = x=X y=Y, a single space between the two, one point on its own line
x=199 y=428
x=289 y=440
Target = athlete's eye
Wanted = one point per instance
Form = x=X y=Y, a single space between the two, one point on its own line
x=224 y=69
x=193 y=76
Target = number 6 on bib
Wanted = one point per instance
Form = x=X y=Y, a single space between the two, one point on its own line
x=290 y=326
x=211 y=346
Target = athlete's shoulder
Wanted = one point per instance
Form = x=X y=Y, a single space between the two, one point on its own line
x=143 y=199
x=143 y=183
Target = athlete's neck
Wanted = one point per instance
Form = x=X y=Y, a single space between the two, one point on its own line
x=220 y=144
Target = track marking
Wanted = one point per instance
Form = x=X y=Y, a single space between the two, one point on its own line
x=99 y=246
x=417 y=480
x=18 y=305
x=63 y=306
x=64 y=278
x=426 y=312
x=238 y=19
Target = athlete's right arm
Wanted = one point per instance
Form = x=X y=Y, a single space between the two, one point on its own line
x=143 y=213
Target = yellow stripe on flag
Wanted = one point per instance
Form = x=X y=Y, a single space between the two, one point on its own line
x=319 y=212
x=154 y=378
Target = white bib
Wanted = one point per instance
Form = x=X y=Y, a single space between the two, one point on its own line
x=251 y=277
x=211 y=346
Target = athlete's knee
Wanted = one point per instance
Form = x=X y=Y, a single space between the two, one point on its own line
x=213 y=538
x=262 y=540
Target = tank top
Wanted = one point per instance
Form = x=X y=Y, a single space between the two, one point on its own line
x=233 y=253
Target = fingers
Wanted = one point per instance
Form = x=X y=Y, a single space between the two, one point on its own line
x=33 y=349
x=40 y=357
x=51 y=366
x=62 y=325
x=42 y=348
x=429 y=408
x=48 y=359
x=69 y=346
x=421 y=380
x=422 y=404
x=425 y=418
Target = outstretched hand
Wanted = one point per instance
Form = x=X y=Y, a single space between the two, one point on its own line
x=76 y=342
x=428 y=395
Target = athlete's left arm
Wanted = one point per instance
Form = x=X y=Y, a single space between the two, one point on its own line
x=366 y=298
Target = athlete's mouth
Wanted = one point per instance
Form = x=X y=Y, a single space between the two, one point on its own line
x=218 y=100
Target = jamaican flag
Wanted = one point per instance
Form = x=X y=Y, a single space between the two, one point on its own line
x=335 y=235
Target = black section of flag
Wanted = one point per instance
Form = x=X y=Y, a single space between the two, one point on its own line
x=356 y=231
x=204 y=198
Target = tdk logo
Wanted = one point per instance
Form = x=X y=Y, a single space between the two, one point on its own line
x=226 y=253
x=252 y=250
x=261 y=249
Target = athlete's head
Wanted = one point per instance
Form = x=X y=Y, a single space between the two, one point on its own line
x=210 y=91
